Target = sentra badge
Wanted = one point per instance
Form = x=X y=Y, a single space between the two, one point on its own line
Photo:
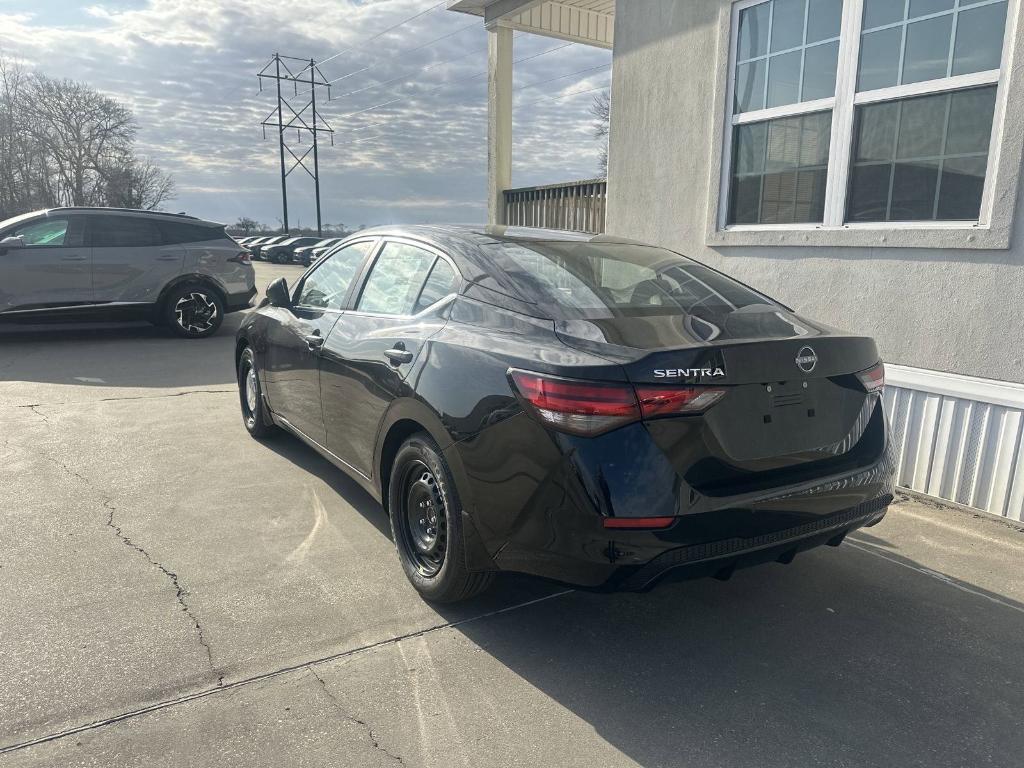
x=688 y=373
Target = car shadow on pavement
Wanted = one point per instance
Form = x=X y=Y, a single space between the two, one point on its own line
x=118 y=355
x=844 y=657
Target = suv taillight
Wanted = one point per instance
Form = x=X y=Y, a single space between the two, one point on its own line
x=241 y=258
x=873 y=378
x=595 y=407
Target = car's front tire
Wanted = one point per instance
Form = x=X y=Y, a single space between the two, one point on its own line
x=426 y=524
x=250 y=394
x=193 y=311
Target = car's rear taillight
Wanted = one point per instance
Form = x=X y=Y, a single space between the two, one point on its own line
x=594 y=407
x=241 y=258
x=579 y=407
x=873 y=378
x=663 y=401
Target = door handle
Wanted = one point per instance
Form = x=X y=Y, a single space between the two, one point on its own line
x=73 y=257
x=168 y=257
x=398 y=355
x=314 y=342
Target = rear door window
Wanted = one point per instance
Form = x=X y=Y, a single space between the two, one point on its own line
x=327 y=285
x=441 y=282
x=125 y=232
x=396 y=280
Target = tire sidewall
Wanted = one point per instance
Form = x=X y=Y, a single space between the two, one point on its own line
x=422 y=449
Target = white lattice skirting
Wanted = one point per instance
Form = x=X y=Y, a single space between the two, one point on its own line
x=958 y=438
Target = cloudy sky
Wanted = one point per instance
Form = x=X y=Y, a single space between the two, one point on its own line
x=188 y=70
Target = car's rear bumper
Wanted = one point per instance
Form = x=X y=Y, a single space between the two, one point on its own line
x=542 y=511
x=241 y=300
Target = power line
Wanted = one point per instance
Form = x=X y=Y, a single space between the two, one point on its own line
x=407 y=76
x=563 y=96
x=404 y=52
x=385 y=31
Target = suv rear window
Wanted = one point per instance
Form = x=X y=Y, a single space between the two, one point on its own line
x=593 y=281
x=182 y=232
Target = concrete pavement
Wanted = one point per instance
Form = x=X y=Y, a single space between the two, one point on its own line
x=177 y=594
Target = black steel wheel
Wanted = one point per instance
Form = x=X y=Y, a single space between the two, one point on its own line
x=426 y=524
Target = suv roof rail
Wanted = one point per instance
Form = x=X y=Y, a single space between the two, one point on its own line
x=126 y=210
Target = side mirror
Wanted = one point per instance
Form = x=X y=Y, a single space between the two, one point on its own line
x=277 y=293
x=17 y=241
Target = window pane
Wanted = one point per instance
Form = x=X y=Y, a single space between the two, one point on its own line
x=928 y=7
x=48 y=232
x=442 y=282
x=125 y=232
x=875 y=132
x=751 y=144
x=784 y=79
x=921 y=126
x=750 y=86
x=745 y=204
x=963 y=180
x=869 y=193
x=820 y=71
x=970 y=121
x=979 y=39
x=913 y=191
x=753 y=36
x=791 y=188
x=880 y=12
x=927 y=54
x=879 y=59
x=396 y=280
x=327 y=286
x=787 y=25
x=824 y=18
x=909 y=189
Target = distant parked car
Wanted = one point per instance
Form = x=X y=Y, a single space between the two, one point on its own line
x=257 y=247
x=306 y=254
x=68 y=264
x=284 y=251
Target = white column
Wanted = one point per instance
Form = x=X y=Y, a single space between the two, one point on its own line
x=499 y=121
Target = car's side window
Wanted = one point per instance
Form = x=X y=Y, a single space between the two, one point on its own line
x=396 y=279
x=441 y=282
x=125 y=232
x=327 y=285
x=48 y=233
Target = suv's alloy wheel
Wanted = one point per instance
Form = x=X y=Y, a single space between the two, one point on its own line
x=195 y=312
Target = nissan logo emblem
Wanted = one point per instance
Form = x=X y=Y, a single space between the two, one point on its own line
x=806 y=359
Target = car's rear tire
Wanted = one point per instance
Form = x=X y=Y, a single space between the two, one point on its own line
x=250 y=394
x=426 y=524
x=193 y=311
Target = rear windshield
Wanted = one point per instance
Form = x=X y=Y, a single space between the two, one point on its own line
x=604 y=280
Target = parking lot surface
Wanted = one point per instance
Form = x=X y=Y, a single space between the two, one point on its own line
x=174 y=593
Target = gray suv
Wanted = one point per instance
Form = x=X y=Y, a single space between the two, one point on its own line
x=67 y=264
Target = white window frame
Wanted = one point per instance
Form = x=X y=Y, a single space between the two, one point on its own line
x=843 y=106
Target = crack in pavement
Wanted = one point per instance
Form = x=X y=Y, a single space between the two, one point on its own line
x=351 y=718
x=186 y=393
x=180 y=591
x=280 y=672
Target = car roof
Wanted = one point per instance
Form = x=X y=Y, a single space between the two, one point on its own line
x=463 y=244
x=159 y=215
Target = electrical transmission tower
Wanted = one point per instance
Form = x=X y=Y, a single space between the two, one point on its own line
x=305 y=120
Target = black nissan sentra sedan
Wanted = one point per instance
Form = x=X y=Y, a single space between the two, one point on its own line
x=587 y=409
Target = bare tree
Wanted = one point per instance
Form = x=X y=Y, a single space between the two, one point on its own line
x=63 y=143
x=601 y=109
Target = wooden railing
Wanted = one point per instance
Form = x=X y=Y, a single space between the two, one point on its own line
x=576 y=205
